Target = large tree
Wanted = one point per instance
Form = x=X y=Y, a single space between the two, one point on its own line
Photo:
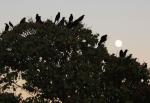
x=69 y=62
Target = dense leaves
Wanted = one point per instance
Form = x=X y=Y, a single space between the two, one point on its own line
x=9 y=98
x=70 y=64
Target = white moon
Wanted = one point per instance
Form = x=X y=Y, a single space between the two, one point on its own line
x=118 y=43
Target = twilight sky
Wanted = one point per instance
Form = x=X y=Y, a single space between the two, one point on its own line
x=127 y=20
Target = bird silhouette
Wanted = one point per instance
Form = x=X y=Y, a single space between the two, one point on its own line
x=38 y=19
x=11 y=24
x=23 y=20
x=103 y=39
x=57 y=17
x=6 y=27
x=144 y=65
x=76 y=22
x=80 y=18
x=125 y=52
x=129 y=56
x=61 y=23
x=121 y=53
x=70 y=18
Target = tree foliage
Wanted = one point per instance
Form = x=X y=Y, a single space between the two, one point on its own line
x=70 y=64
x=9 y=98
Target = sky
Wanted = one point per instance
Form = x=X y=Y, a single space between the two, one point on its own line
x=126 y=20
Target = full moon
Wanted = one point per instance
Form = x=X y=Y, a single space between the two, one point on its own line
x=118 y=43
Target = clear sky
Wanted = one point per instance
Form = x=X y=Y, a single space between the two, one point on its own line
x=127 y=20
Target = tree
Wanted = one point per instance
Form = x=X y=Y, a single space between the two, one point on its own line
x=71 y=64
x=9 y=98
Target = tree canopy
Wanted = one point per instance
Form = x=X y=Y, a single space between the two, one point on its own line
x=65 y=61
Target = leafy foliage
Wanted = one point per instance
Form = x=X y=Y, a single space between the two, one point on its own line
x=70 y=64
x=9 y=98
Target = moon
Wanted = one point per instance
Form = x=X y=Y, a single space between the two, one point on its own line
x=118 y=43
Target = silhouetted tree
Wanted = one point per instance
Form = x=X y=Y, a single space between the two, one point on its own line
x=70 y=64
x=9 y=98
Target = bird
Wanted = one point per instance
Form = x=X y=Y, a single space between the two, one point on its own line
x=103 y=39
x=38 y=19
x=76 y=22
x=129 y=56
x=144 y=65
x=124 y=53
x=11 y=24
x=57 y=17
x=61 y=23
x=80 y=18
x=70 y=18
x=6 y=27
x=121 y=53
x=23 y=20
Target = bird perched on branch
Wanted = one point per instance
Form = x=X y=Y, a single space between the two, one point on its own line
x=76 y=22
x=129 y=56
x=57 y=17
x=80 y=19
x=11 y=24
x=123 y=54
x=38 y=19
x=6 y=27
x=103 y=39
x=61 y=23
x=71 y=18
x=144 y=65
x=23 y=20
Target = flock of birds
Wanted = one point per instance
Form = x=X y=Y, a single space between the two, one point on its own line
x=122 y=53
x=71 y=23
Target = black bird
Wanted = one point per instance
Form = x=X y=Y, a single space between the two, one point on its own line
x=129 y=56
x=70 y=18
x=23 y=20
x=61 y=23
x=6 y=27
x=76 y=22
x=144 y=65
x=124 y=53
x=38 y=19
x=57 y=17
x=80 y=18
x=103 y=39
x=121 y=53
x=11 y=24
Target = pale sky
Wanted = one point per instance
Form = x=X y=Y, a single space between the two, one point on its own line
x=127 y=20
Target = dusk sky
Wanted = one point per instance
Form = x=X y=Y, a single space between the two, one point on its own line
x=126 y=20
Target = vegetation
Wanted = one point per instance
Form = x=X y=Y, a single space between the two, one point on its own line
x=67 y=62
